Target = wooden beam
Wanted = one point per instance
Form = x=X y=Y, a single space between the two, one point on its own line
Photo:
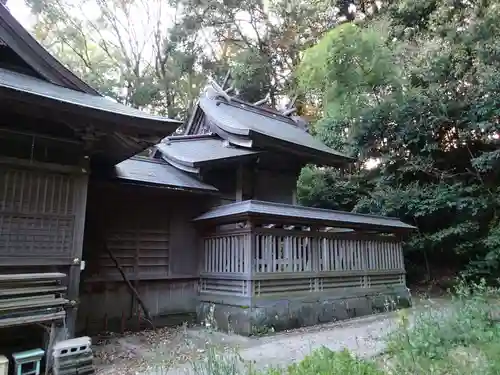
x=9 y=322
x=40 y=136
x=31 y=164
x=31 y=276
x=133 y=291
x=141 y=277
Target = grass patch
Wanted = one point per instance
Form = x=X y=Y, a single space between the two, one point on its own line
x=320 y=362
x=325 y=362
x=463 y=338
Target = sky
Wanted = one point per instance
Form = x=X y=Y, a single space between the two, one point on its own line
x=22 y=13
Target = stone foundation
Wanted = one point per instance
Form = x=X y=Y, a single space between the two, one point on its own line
x=278 y=315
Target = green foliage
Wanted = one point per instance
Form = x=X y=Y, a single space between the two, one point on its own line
x=416 y=89
x=347 y=69
x=461 y=338
x=219 y=362
x=326 y=362
x=251 y=72
x=314 y=189
x=158 y=54
x=320 y=362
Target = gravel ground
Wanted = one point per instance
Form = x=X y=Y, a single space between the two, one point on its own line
x=177 y=349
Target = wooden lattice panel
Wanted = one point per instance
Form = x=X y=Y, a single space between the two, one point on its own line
x=337 y=254
x=37 y=213
x=225 y=253
x=139 y=237
x=283 y=253
x=283 y=286
x=385 y=255
x=385 y=280
x=139 y=251
x=339 y=283
x=223 y=286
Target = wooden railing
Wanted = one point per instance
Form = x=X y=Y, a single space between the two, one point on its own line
x=227 y=252
x=278 y=250
x=279 y=262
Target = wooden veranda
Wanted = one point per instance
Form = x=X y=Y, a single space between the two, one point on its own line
x=257 y=254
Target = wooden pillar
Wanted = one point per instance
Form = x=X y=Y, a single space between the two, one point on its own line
x=244 y=183
x=81 y=185
x=249 y=255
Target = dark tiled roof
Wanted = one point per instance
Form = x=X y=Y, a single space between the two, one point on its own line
x=154 y=172
x=194 y=151
x=245 y=121
x=31 y=85
x=304 y=215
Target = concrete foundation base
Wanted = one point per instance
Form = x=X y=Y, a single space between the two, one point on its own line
x=277 y=315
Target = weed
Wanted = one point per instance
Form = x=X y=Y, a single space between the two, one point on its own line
x=326 y=362
x=459 y=339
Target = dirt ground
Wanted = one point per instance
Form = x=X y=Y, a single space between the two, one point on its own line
x=172 y=351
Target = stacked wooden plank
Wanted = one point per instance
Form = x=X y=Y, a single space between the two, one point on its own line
x=31 y=298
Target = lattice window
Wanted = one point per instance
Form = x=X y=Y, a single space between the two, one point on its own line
x=140 y=240
x=36 y=213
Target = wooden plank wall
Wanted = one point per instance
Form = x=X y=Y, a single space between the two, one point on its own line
x=42 y=215
x=151 y=235
x=273 y=186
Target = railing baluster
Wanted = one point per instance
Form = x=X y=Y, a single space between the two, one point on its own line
x=344 y=261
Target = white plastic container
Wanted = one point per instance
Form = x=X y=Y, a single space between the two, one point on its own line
x=4 y=365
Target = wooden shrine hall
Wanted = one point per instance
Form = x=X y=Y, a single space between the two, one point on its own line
x=94 y=237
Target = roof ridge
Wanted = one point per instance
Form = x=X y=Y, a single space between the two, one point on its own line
x=257 y=201
x=147 y=159
x=303 y=214
x=258 y=110
x=190 y=137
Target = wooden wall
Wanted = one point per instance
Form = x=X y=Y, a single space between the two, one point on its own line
x=275 y=186
x=41 y=216
x=244 y=182
x=150 y=233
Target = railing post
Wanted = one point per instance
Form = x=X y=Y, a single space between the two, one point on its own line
x=315 y=256
x=364 y=261
x=249 y=256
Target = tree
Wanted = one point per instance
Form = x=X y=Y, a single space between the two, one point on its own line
x=418 y=88
x=157 y=54
x=124 y=49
